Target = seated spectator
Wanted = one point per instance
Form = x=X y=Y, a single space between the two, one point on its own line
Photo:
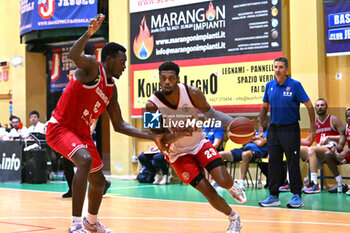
x=337 y=156
x=327 y=136
x=248 y=153
x=18 y=131
x=155 y=162
x=215 y=136
x=37 y=126
x=3 y=133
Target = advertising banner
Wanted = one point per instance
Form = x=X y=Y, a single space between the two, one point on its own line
x=11 y=161
x=59 y=63
x=337 y=27
x=215 y=43
x=51 y=14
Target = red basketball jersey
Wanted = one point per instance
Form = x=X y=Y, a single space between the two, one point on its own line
x=347 y=134
x=324 y=128
x=81 y=105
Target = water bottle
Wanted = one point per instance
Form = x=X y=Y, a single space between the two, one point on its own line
x=339 y=189
x=259 y=183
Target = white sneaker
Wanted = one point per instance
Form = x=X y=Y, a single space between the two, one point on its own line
x=77 y=229
x=97 y=227
x=157 y=178
x=242 y=185
x=165 y=180
x=237 y=194
x=235 y=224
x=348 y=192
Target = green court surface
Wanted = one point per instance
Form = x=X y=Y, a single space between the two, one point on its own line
x=323 y=201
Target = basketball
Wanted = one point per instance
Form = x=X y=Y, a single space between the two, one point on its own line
x=241 y=130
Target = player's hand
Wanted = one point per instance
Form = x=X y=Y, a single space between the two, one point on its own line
x=341 y=156
x=324 y=140
x=95 y=24
x=161 y=146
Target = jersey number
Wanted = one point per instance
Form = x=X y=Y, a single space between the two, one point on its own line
x=210 y=153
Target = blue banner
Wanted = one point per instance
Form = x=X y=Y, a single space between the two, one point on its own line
x=337 y=30
x=51 y=14
x=59 y=64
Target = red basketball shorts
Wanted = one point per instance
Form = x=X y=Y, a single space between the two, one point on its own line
x=67 y=142
x=189 y=166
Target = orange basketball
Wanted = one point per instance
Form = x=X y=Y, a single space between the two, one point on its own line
x=241 y=130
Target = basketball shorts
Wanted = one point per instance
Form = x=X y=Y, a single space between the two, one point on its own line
x=67 y=142
x=237 y=154
x=189 y=166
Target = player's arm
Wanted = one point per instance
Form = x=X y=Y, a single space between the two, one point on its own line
x=342 y=138
x=336 y=122
x=311 y=112
x=201 y=103
x=119 y=125
x=168 y=137
x=262 y=116
x=308 y=140
x=87 y=65
x=259 y=140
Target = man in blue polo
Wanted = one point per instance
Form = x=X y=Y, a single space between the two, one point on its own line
x=283 y=95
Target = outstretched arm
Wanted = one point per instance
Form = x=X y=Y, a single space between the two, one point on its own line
x=87 y=65
x=201 y=103
x=119 y=125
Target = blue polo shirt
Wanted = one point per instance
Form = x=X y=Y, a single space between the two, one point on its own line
x=284 y=100
x=213 y=132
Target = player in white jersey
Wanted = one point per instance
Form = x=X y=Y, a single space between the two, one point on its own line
x=191 y=153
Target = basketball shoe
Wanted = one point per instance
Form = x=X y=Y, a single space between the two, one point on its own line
x=284 y=188
x=158 y=178
x=235 y=224
x=237 y=194
x=312 y=188
x=77 y=229
x=270 y=201
x=96 y=228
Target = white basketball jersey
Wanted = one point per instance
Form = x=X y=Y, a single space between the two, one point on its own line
x=181 y=116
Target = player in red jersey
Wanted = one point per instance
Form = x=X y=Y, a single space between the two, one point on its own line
x=327 y=136
x=87 y=95
x=344 y=156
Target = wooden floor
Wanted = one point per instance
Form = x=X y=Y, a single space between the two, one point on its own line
x=33 y=211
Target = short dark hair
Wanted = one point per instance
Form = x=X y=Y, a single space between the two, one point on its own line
x=347 y=111
x=34 y=113
x=15 y=117
x=111 y=49
x=321 y=99
x=169 y=65
x=282 y=59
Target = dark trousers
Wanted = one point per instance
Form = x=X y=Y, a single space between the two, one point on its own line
x=284 y=139
x=154 y=162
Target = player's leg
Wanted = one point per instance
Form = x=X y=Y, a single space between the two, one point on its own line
x=313 y=159
x=83 y=160
x=246 y=158
x=190 y=172
x=95 y=192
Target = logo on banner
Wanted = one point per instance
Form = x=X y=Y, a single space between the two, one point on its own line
x=46 y=8
x=143 y=42
x=211 y=13
x=151 y=120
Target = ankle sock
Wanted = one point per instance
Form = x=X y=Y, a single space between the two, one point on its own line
x=76 y=221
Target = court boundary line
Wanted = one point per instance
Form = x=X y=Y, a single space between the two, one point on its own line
x=206 y=203
x=186 y=219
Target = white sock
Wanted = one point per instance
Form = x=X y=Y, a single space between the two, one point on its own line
x=314 y=177
x=339 y=180
x=76 y=221
x=92 y=219
x=232 y=214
